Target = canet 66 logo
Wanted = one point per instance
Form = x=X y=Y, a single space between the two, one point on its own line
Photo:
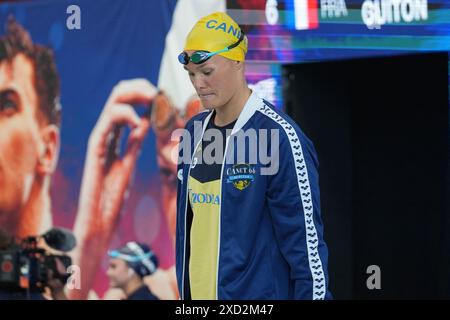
x=241 y=175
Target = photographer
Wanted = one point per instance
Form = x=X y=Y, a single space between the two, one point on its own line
x=34 y=268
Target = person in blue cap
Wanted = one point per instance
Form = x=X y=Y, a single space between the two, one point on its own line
x=127 y=268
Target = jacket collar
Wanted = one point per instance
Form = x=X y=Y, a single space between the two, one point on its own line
x=250 y=107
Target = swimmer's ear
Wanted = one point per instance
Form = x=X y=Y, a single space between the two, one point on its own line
x=48 y=157
x=239 y=65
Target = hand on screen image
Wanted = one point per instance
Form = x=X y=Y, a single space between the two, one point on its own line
x=107 y=175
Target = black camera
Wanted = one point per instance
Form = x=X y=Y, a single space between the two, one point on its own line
x=27 y=264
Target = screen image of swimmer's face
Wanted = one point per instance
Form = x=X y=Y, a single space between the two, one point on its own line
x=19 y=136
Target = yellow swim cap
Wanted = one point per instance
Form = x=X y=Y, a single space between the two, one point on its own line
x=216 y=32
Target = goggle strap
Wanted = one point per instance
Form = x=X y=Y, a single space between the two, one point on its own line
x=205 y=56
x=238 y=42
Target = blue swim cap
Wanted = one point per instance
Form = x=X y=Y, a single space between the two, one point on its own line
x=138 y=256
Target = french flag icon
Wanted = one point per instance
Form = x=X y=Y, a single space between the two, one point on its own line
x=306 y=14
